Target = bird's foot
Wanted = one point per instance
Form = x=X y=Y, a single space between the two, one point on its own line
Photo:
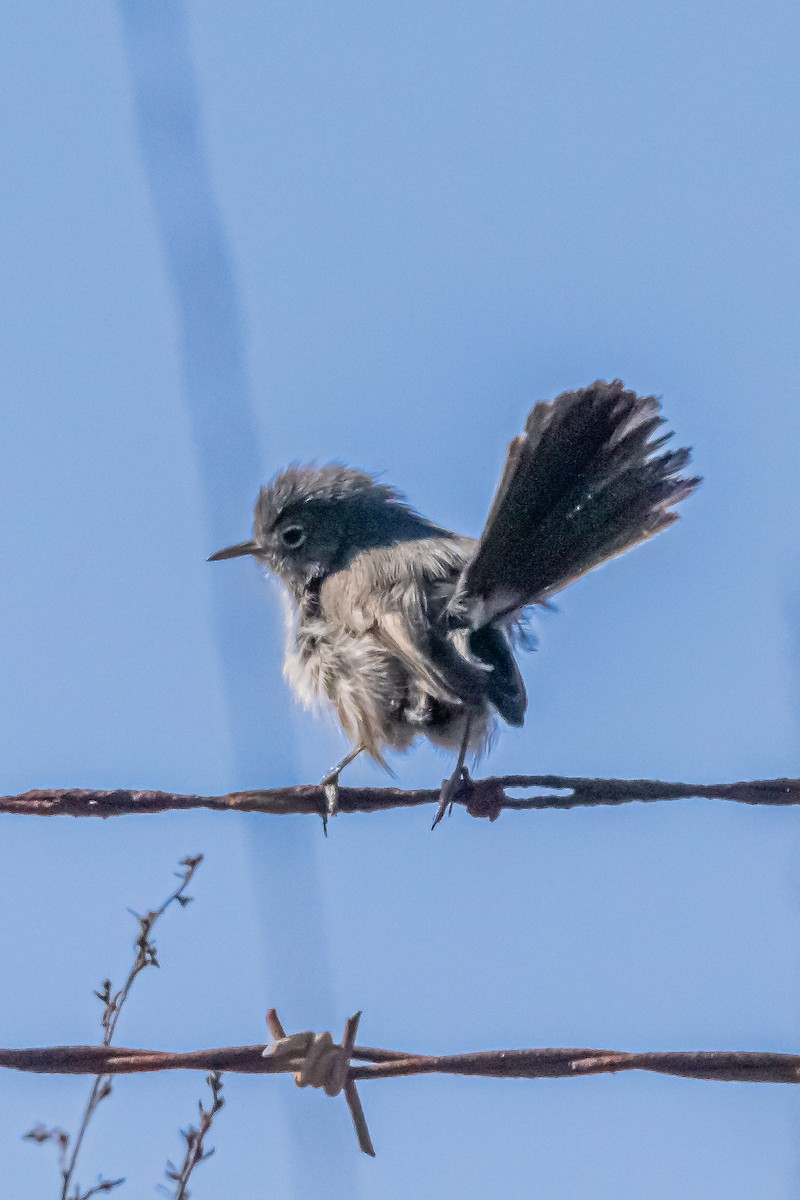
x=330 y=787
x=452 y=789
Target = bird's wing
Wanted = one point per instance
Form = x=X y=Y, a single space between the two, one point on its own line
x=395 y=594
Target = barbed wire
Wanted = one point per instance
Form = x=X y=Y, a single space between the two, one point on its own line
x=316 y=1060
x=481 y=797
x=736 y=1066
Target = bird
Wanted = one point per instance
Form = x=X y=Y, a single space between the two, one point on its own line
x=410 y=630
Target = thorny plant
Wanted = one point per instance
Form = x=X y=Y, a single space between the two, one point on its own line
x=195 y=1152
x=113 y=1002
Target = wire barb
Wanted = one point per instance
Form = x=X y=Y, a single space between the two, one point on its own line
x=317 y=1061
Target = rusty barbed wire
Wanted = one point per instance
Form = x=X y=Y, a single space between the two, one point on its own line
x=315 y=1059
x=736 y=1066
x=481 y=797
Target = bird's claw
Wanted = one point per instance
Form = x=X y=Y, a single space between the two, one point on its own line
x=330 y=788
x=451 y=789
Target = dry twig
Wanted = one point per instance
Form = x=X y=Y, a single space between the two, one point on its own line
x=113 y=1002
x=481 y=797
x=195 y=1152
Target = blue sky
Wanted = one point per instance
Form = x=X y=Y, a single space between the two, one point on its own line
x=233 y=237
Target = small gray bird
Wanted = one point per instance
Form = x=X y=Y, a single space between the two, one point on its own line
x=408 y=629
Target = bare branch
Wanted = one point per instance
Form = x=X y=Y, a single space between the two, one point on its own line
x=194 y=1137
x=113 y=1002
x=481 y=797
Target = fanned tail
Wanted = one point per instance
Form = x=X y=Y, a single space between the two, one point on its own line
x=585 y=482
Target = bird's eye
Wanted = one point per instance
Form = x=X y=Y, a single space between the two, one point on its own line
x=293 y=536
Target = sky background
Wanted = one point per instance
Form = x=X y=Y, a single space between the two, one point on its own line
x=233 y=236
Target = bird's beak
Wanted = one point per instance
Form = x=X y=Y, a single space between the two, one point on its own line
x=234 y=551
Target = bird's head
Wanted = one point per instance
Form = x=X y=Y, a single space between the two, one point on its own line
x=311 y=521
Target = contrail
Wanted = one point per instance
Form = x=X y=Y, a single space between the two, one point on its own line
x=225 y=432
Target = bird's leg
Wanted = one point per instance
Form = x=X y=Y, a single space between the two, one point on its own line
x=330 y=785
x=460 y=777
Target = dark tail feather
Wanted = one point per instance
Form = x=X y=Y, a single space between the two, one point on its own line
x=582 y=485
